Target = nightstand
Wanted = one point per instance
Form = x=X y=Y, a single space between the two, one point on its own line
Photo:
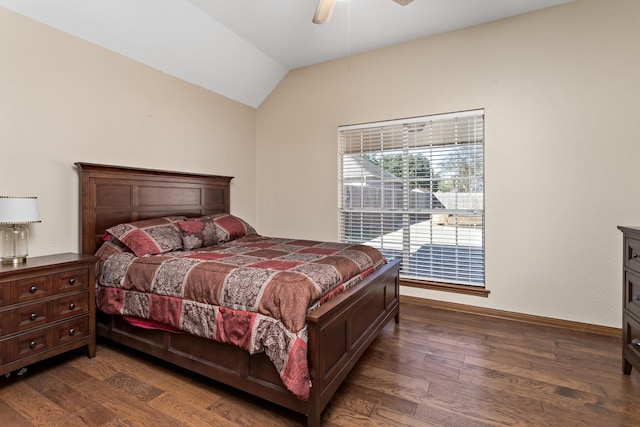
x=47 y=307
x=631 y=299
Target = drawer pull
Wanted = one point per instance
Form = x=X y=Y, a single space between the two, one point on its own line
x=72 y=332
x=33 y=316
x=636 y=297
x=636 y=342
x=72 y=281
x=33 y=289
x=634 y=255
x=72 y=306
x=32 y=344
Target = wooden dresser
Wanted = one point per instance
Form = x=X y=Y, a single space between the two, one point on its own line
x=631 y=299
x=47 y=307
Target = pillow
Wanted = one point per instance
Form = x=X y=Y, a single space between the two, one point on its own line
x=111 y=241
x=198 y=232
x=111 y=246
x=229 y=227
x=151 y=236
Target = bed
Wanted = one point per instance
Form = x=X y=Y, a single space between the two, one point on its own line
x=338 y=331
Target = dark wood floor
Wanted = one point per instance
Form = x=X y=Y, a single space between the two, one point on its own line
x=436 y=368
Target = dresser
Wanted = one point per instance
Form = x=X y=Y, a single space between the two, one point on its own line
x=631 y=299
x=47 y=307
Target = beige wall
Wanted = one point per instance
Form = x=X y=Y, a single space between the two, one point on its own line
x=63 y=100
x=561 y=92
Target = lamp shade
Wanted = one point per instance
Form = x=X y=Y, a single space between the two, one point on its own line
x=18 y=210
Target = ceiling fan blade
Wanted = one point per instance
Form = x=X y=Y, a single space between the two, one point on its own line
x=323 y=11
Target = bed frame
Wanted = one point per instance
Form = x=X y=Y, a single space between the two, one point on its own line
x=339 y=330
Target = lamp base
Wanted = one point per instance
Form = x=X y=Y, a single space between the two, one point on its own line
x=14 y=261
x=14 y=244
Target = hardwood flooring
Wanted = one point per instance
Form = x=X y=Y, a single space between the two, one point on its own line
x=436 y=368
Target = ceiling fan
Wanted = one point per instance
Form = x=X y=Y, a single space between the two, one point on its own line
x=325 y=9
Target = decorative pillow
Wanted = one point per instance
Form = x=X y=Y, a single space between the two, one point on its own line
x=229 y=227
x=198 y=232
x=151 y=236
x=112 y=244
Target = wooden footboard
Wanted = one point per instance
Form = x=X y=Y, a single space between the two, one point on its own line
x=341 y=330
x=339 y=333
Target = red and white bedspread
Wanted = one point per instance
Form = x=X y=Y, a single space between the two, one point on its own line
x=253 y=292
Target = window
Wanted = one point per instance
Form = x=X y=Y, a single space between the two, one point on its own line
x=414 y=188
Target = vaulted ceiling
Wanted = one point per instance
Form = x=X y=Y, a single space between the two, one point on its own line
x=243 y=48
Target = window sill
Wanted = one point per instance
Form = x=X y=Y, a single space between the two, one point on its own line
x=446 y=287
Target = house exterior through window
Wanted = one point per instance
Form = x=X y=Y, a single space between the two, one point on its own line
x=414 y=188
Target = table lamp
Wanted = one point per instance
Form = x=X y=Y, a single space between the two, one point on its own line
x=14 y=238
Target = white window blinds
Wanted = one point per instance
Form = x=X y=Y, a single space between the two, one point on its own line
x=414 y=188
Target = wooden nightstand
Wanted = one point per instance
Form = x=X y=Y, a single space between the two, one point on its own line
x=47 y=307
x=631 y=299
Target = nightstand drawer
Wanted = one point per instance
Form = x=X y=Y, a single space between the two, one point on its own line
x=632 y=293
x=632 y=330
x=72 y=330
x=71 y=305
x=32 y=315
x=31 y=289
x=71 y=280
x=31 y=343
x=43 y=339
x=632 y=254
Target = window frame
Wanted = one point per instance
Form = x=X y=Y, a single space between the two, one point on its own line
x=368 y=154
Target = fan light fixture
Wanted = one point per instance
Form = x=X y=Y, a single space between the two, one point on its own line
x=324 y=11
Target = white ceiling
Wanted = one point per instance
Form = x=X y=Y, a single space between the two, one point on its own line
x=243 y=48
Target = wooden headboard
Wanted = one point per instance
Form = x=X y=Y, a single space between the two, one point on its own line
x=110 y=195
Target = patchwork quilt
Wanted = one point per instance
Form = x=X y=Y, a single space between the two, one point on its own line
x=253 y=292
